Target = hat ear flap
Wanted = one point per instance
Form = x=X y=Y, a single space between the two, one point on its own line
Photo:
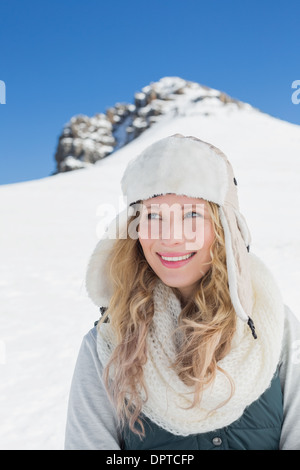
x=237 y=259
x=243 y=228
x=97 y=282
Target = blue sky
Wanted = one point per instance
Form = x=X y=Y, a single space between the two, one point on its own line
x=60 y=58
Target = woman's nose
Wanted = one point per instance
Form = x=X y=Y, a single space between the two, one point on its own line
x=172 y=232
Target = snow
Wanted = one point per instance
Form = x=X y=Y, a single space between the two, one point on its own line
x=72 y=162
x=50 y=226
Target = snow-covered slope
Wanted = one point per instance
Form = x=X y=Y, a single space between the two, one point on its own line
x=50 y=226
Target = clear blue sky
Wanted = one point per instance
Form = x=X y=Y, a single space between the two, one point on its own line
x=60 y=58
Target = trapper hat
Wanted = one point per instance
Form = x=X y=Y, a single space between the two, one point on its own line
x=194 y=168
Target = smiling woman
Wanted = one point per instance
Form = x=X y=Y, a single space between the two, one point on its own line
x=194 y=347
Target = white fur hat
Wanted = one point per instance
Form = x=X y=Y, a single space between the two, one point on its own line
x=183 y=166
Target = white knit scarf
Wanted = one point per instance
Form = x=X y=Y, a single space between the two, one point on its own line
x=250 y=363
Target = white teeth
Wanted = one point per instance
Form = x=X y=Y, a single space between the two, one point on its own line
x=177 y=258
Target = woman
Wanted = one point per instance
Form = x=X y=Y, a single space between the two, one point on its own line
x=195 y=349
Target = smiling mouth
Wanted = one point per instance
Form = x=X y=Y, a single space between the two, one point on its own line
x=177 y=258
x=175 y=261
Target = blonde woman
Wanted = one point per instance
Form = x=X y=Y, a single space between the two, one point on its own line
x=194 y=349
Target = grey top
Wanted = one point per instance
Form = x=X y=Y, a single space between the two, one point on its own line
x=91 y=419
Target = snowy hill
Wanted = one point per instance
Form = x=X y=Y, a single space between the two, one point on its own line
x=49 y=228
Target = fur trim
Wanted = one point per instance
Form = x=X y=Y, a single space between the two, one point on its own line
x=98 y=284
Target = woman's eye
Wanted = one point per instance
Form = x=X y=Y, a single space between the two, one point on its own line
x=193 y=214
x=153 y=216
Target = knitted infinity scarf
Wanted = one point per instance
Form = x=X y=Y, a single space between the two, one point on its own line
x=250 y=363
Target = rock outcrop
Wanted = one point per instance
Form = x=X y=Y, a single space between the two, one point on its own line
x=85 y=140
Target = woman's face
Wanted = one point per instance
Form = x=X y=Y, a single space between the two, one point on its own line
x=176 y=233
